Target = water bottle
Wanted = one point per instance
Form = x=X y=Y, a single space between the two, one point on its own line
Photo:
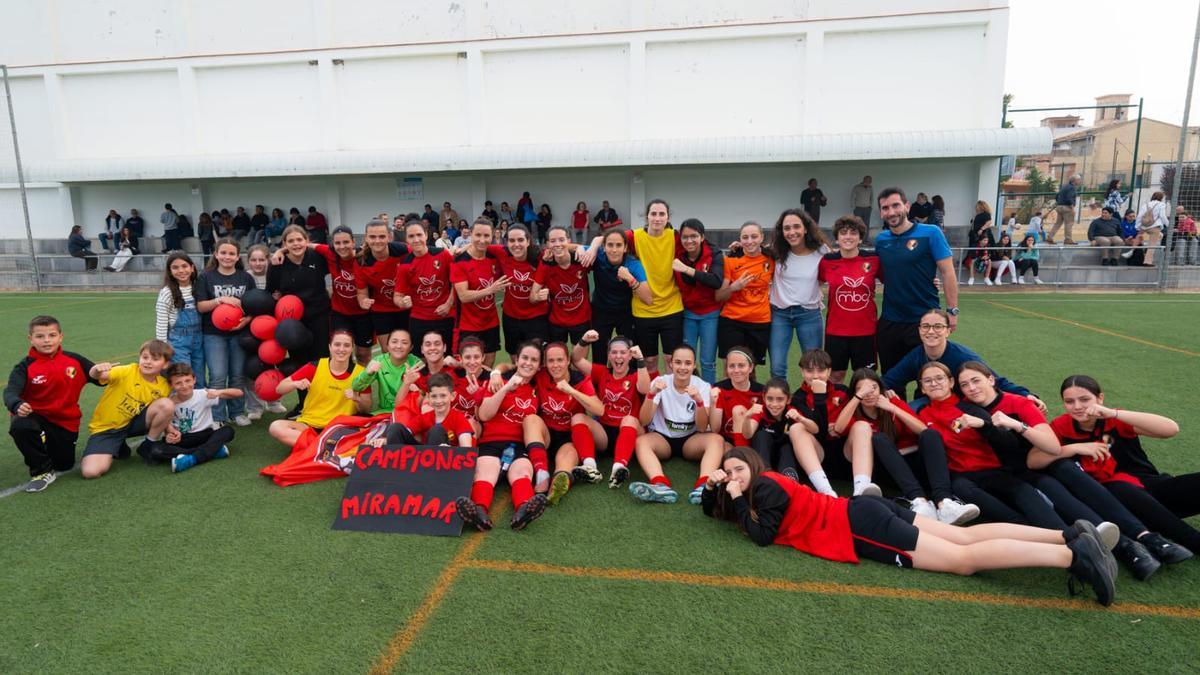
x=506 y=458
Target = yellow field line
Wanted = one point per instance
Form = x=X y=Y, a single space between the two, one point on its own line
x=828 y=588
x=403 y=639
x=1095 y=329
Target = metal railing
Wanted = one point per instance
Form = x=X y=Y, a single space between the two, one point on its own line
x=1065 y=263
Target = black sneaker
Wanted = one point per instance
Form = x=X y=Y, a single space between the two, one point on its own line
x=1164 y=549
x=124 y=452
x=1136 y=558
x=529 y=512
x=294 y=413
x=1090 y=566
x=1110 y=533
x=473 y=514
x=791 y=473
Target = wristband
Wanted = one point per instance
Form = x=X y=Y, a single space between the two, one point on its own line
x=699 y=404
x=638 y=364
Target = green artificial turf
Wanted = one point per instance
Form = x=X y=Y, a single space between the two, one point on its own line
x=217 y=569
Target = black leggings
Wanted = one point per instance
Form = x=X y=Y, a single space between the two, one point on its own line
x=775 y=450
x=203 y=445
x=1157 y=516
x=1181 y=494
x=608 y=323
x=931 y=451
x=1070 y=488
x=997 y=492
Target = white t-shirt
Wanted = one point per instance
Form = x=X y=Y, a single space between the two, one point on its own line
x=796 y=284
x=195 y=414
x=676 y=414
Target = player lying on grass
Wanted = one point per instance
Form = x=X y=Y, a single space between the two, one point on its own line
x=773 y=509
x=502 y=448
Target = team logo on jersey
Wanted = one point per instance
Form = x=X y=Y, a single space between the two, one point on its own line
x=521 y=285
x=464 y=404
x=343 y=284
x=388 y=288
x=40 y=379
x=866 y=267
x=437 y=264
x=487 y=301
x=556 y=409
x=578 y=274
x=626 y=384
x=704 y=268
x=617 y=405
x=430 y=289
x=691 y=406
x=853 y=295
x=521 y=408
x=836 y=401
x=911 y=244
x=570 y=296
x=71 y=372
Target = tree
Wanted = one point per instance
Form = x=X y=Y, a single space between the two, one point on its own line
x=1034 y=201
x=1008 y=99
x=1189 y=186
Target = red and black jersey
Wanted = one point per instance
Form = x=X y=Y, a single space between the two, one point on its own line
x=379 y=278
x=1122 y=441
x=456 y=425
x=731 y=396
x=50 y=385
x=557 y=407
x=466 y=401
x=619 y=395
x=516 y=296
x=905 y=438
x=700 y=298
x=790 y=514
x=423 y=381
x=851 y=282
x=506 y=424
x=777 y=427
x=821 y=408
x=426 y=279
x=343 y=272
x=966 y=448
x=568 y=286
x=481 y=314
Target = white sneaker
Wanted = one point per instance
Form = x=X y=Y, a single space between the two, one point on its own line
x=999 y=283
x=954 y=512
x=1127 y=254
x=870 y=490
x=1021 y=280
x=923 y=507
x=1037 y=281
x=971 y=281
x=255 y=414
x=276 y=407
x=242 y=421
x=987 y=281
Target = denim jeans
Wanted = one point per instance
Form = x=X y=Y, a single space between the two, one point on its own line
x=805 y=323
x=225 y=359
x=188 y=342
x=704 y=328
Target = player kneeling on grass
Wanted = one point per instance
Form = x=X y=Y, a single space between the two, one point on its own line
x=621 y=386
x=772 y=509
x=192 y=437
x=43 y=397
x=675 y=413
x=134 y=403
x=766 y=424
x=876 y=423
x=502 y=447
x=439 y=422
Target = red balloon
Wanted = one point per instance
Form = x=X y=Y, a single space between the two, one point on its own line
x=265 y=384
x=289 y=307
x=271 y=352
x=226 y=317
x=263 y=327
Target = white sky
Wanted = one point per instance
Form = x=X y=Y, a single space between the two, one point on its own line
x=1063 y=52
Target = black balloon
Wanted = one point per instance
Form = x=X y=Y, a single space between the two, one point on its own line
x=256 y=302
x=289 y=366
x=248 y=342
x=291 y=334
x=253 y=366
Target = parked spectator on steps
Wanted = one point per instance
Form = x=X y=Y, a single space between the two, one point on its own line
x=1064 y=208
x=605 y=218
x=112 y=228
x=79 y=247
x=205 y=230
x=1106 y=231
x=980 y=240
x=1184 y=244
x=317 y=226
x=579 y=222
x=921 y=210
x=274 y=227
x=1035 y=227
x=448 y=216
x=939 y=212
x=294 y=218
x=812 y=199
x=862 y=199
x=137 y=227
x=1152 y=222
x=1113 y=198
x=544 y=219
x=1001 y=258
x=258 y=222
x=506 y=212
x=431 y=218
x=1027 y=259
x=490 y=213
x=126 y=249
x=170 y=223
x=241 y=224
x=525 y=211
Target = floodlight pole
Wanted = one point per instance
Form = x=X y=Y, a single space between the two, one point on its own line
x=1177 y=183
x=12 y=125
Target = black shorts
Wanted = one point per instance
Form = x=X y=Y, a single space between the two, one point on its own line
x=835 y=463
x=573 y=333
x=754 y=336
x=359 y=325
x=675 y=443
x=518 y=331
x=611 y=433
x=557 y=440
x=420 y=327
x=649 y=332
x=894 y=341
x=386 y=322
x=846 y=350
x=883 y=530
x=496 y=449
x=489 y=336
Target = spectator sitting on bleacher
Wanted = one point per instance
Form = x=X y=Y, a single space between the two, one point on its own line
x=1106 y=231
x=1027 y=259
x=1001 y=258
x=1184 y=244
x=979 y=240
x=241 y=224
x=205 y=231
x=137 y=227
x=80 y=247
x=126 y=248
x=1132 y=238
x=112 y=228
x=258 y=222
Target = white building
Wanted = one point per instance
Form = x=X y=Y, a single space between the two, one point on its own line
x=723 y=108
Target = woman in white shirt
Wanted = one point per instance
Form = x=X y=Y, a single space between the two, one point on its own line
x=1151 y=221
x=797 y=246
x=675 y=413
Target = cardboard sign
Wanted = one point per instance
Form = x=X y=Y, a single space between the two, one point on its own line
x=406 y=489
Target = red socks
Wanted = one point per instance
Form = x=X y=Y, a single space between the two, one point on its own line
x=581 y=438
x=624 y=450
x=537 y=457
x=660 y=480
x=481 y=493
x=522 y=491
x=700 y=481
